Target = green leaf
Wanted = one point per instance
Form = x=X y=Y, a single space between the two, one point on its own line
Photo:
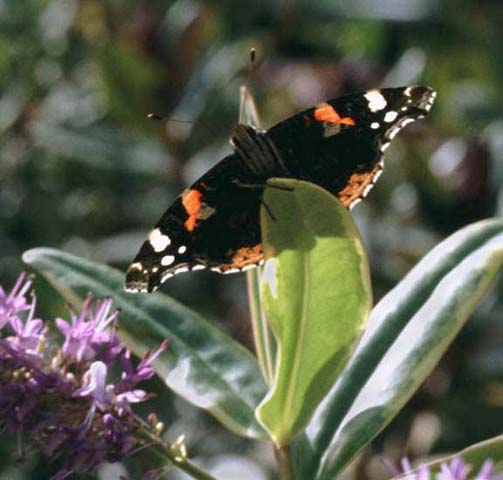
x=474 y=456
x=202 y=364
x=408 y=332
x=316 y=296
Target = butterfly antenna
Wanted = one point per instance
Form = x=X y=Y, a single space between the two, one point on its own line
x=155 y=116
x=249 y=70
x=245 y=87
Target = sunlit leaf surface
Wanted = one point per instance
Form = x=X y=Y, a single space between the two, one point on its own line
x=316 y=297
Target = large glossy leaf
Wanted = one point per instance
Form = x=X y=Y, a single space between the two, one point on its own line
x=408 y=332
x=202 y=364
x=316 y=296
x=474 y=456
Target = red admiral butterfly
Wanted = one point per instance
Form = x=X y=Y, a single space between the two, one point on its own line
x=337 y=144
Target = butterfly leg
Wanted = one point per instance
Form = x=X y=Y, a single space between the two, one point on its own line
x=263 y=186
x=240 y=184
x=268 y=210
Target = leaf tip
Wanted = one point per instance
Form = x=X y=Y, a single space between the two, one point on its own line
x=30 y=255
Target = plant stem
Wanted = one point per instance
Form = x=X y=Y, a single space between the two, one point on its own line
x=262 y=335
x=193 y=470
x=264 y=343
x=284 y=464
x=163 y=450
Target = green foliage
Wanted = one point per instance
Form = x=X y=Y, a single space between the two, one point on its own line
x=409 y=330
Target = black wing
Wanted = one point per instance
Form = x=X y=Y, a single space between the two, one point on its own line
x=339 y=144
x=213 y=224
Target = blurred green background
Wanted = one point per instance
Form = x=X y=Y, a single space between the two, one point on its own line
x=82 y=169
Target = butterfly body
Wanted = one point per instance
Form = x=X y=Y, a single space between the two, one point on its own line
x=215 y=223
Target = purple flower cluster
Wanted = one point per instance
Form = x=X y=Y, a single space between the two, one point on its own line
x=456 y=469
x=61 y=396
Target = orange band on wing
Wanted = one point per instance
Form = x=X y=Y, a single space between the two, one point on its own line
x=191 y=201
x=327 y=113
x=247 y=256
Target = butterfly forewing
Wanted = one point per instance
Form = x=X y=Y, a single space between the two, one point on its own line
x=213 y=224
x=339 y=144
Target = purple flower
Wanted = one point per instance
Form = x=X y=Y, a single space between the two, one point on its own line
x=15 y=301
x=455 y=469
x=61 y=398
x=96 y=388
x=487 y=472
x=131 y=376
x=88 y=333
x=28 y=334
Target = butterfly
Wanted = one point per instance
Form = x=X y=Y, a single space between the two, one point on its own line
x=215 y=223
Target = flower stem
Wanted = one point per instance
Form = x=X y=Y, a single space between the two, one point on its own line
x=193 y=470
x=163 y=450
x=284 y=464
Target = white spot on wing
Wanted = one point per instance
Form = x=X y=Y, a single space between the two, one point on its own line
x=181 y=270
x=231 y=270
x=376 y=100
x=135 y=289
x=182 y=249
x=367 y=189
x=390 y=116
x=167 y=260
x=356 y=201
x=165 y=277
x=396 y=128
x=198 y=267
x=158 y=241
x=374 y=125
x=393 y=132
x=136 y=266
